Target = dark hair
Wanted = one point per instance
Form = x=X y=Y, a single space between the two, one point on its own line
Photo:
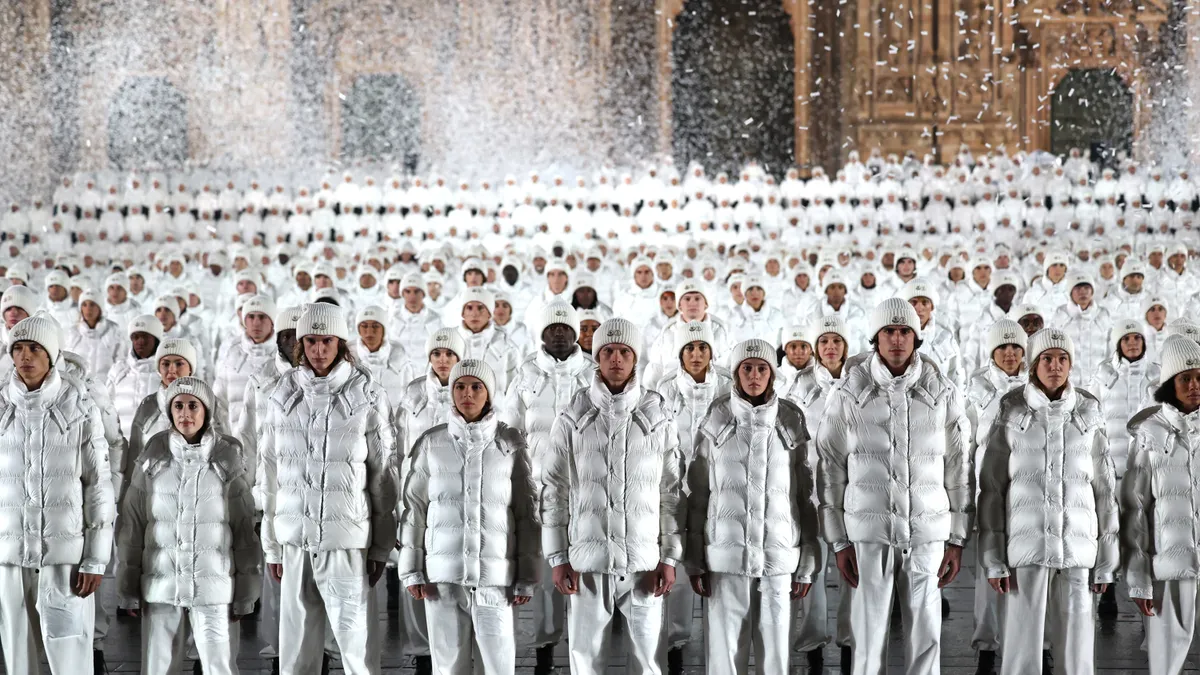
x=343 y=354
x=1165 y=394
x=874 y=342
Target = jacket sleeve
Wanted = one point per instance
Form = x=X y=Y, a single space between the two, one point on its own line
x=132 y=449
x=553 y=465
x=810 y=546
x=833 y=452
x=383 y=480
x=131 y=539
x=1137 y=513
x=99 y=500
x=247 y=552
x=266 y=485
x=245 y=431
x=1104 y=489
x=958 y=473
x=529 y=535
x=672 y=507
x=112 y=433
x=410 y=567
x=699 y=492
x=993 y=499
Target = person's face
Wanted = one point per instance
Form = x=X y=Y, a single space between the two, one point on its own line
x=304 y=280
x=320 y=351
x=31 y=361
x=1187 y=390
x=1031 y=323
x=831 y=349
x=1176 y=261
x=476 y=316
x=982 y=275
x=1005 y=294
x=1056 y=272
x=258 y=326
x=754 y=377
x=1156 y=316
x=187 y=415
x=470 y=397
x=643 y=277
x=557 y=280
x=1053 y=367
x=13 y=316
x=896 y=345
x=835 y=293
x=1008 y=358
x=735 y=292
x=371 y=335
x=1082 y=295
x=144 y=344
x=166 y=317
x=116 y=294
x=587 y=331
x=442 y=361
x=503 y=313
x=136 y=283
x=1132 y=346
x=558 y=338
x=414 y=298
x=1133 y=283
x=245 y=286
x=615 y=362
x=323 y=281
x=585 y=296
x=798 y=353
x=90 y=312
x=172 y=367
x=924 y=308
x=473 y=278
x=906 y=267
x=695 y=358
x=755 y=296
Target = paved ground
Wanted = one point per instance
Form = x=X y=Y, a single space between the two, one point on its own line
x=1117 y=644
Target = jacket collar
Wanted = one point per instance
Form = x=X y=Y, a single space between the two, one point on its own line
x=884 y=379
x=474 y=434
x=44 y=397
x=380 y=356
x=571 y=365
x=436 y=394
x=181 y=449
x=612 y=405
x=753 y=416
x=1037 y=400
x=331 y=384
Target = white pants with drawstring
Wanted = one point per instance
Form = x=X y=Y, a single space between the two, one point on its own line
x=912 y=575
x=39 y=608
x=333 y=586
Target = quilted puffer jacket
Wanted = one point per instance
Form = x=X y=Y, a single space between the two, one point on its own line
x=259 y=388
x=129 y=382
x=494 y=347
x=751 y=510
x=187 y=526
x=411 y=330
x=611 y=498
x=544 y=386
x=426 y=404
x=1160 y=500
x=1124 y=389
x=940 y=345
x=662 y=358
x=894 y=463
x=1089 y=331
x=243 y=359
x=72 y=365
x=810 y=390
x=389 y=366
x=986 y=388
x=1048 y=491
x=149 y=419
x=469 y=509
x=56 y=494
x=100 y=347
x=688 y=401
x=328 y=465
x=973 y=338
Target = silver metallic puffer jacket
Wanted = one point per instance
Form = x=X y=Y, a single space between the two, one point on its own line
x=940 y=345
x=72 y=365
x=426 y=404
x=150 y=418
x=986 y=388
x=130 y=381
x=328 y=465
x=894 y=464
x=469 y=509
x=1160 y=499
x=187 y=526
x=1089 y=331
x=259 y=388
x=544 y=386
x=243 y=359
x=751 y=510
x=1048 y=492
x=100 y=347
x=494 y=347
x=56 y=493
x=611 y=497
x=689 y=400
x=411 y=330
x=389 y=366
x=1124 y=389
x=810 y=390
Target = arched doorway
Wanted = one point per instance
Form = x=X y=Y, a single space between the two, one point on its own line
x=732 y=85
x=147 y=123
x=381 y=120
x=1092 y=110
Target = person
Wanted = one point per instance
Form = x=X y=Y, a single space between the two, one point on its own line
x=688 y=390
x=1088 y=325
x=383 y=357
x=253 y=350
x=693 y=307
x=474 y=470
x=797 y=355
x=482 y=339
x=409 y=319
x=751 y=557
x=189 y=500
x=59 y=494
x=589 y=321
x=134 y=377
x=756 y=318
x=1004 y=372
x=544 y=386
x=95 y=338
x=938 y=342
x=613 y=451
x=1048 y=513
x=894 y=480
x=1158 y=516
x=328 y=424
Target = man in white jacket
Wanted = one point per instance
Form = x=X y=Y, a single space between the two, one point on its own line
x=611 y=507
x=245 y=357
x=937 y=341
x=483 y=340
x=894 y=481
x=409 y=319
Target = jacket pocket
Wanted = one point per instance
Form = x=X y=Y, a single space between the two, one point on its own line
x=62 y=613
x=645 y=610
x=493 y=614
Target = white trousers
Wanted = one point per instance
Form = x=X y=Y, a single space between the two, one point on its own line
x=468 y=624
x=164 y=631
x=413 y=622
x=1170 y=631
x=810 y=629
x=268 y=622
x=1056 y=599
x=912 y=575
x=327 y=586
x=681 y=608
x=744 y=613
x=38 y=608
x=590 y=615
x=986 y=635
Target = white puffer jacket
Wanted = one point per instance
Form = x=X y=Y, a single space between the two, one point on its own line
x=1048 y=493
x=187 y=526
x=974 y=338
x=1124 y=388
x=751 y=510
x=412 y=330
x=56 y=493
x=688 y=401
x=149 y=419
x=239 y=362
x=985 y=390
x=1160 y=500
x=469 y=509
x=259 y=388
x=72 y=365
x=1089 y=331
x=810 y=390
x=389 y=366
x=129 y=382
x=621 y=445
x=662 y=357
x=328 y=465
x=494 y=347
x=100 y=347
x=426 y=404
x=894 y=455
x=940 y=345
x=543 y=388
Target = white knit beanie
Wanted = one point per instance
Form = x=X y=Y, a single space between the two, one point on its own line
x=184 y=349
x=692 y=331
x=40 y=329
x=1178 y=354
x=754 y=281
x=396 y=273
x=1019 y=312
x=259 y=303
x=1132 y=267
x=146 y=323
x=919 y=288
x=752 y=349
x=557 y=265
x=831 y=323
x=1005 y=332
x=19 y=296
x=289 y=319
x=794 y=333
x=559 y=312
x=1045 y=339
x=1155 y=300
x=371 y=313
x=834 y=277
x=588 y=315
x=686 y=287
x=1055 y=258
x=195 y=387
x=167 y=302
x=322 y=319
x=57 y=278
x=1185 y=328
x=894 y=312
x=477 y=369
x=1079 y=278
x=116 y=279
x=618 y=331
x=446 y=338
x=481 y=295
x=1123 y=327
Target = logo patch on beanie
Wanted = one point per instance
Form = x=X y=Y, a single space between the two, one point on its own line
x=753 y=349
x=899 y=320
x=1009 y=336
x=1192 y=363
x=830 y=323
x=560 y=314
x=441 y=338
x=318 y=326
x=696 y=329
